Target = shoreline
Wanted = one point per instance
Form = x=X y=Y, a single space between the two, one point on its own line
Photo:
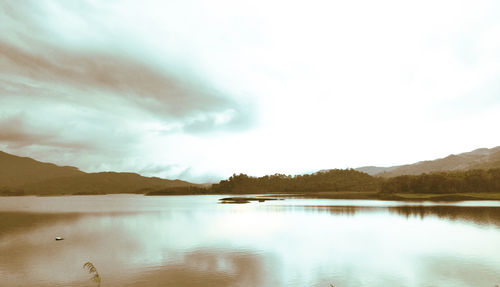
x=351 y=195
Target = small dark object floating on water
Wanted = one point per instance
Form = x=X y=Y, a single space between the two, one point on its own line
x=59 y=238
x=245 y=199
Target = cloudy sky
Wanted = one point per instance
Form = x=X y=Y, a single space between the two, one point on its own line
x=199 y=90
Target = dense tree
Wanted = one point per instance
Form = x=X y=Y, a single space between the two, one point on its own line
x=332 y=180
x=469 y=181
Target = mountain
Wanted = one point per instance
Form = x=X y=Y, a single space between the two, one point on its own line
x=23 y=175
x=372 y=170
x=482 y=158
x=102 y=183
x=16 y=171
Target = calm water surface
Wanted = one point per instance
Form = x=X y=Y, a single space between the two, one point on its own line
x=135 y=240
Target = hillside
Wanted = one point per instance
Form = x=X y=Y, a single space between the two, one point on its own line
x=478 y=159
x=449 y=182
x=492 y=162
x=372 y=170
x=22 y=175
x=17 y=171
x=101 y=183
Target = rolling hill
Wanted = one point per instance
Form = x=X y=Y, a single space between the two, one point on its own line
x=482 y=158
x=22 y=175
x=16 y=171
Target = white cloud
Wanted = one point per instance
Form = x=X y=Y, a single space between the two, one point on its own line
x=307 y=84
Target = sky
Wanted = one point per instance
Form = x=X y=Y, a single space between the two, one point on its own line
x=200 y=90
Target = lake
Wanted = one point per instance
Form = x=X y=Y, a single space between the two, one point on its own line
x=136 y=240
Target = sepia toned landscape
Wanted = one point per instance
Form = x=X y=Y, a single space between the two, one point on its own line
x=249 y=143
x=468 y=176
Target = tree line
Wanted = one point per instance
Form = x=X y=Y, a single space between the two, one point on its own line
x=469 y=181
x=331 y=180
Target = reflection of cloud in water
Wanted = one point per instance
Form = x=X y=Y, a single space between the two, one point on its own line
x=195 y=241
x=448 y=271
x=206 y=268
x=30 y=253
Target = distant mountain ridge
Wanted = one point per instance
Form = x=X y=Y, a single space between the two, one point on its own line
x=482 y=158
x=372 y=170
x=24 y=175
x=16 y=171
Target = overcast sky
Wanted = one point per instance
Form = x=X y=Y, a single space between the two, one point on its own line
x=199 y=90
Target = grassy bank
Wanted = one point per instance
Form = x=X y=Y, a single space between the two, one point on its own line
x=459 y=196
x=373 y=195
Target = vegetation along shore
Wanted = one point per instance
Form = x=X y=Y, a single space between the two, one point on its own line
x=25 y=176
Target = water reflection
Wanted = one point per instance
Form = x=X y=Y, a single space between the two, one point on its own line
x=12 y=222
x=208 y=268
x=480 y=215
x=193 y=241
x=477 y=215
x=470 y=271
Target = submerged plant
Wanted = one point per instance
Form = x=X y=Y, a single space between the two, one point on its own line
x=92 y=270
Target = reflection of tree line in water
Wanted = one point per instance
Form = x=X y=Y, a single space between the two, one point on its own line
x=481 y=215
